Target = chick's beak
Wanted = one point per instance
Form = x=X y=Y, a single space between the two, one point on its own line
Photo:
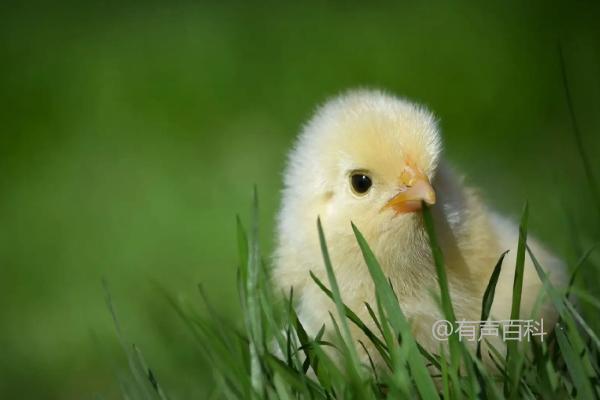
x=415 y=189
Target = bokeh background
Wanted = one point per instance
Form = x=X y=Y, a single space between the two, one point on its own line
x=131 y=133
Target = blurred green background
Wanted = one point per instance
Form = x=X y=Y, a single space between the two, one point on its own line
x=131 y=133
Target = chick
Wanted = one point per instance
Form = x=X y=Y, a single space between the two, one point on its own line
x=372 y=158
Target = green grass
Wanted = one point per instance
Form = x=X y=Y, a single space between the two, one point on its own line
x=272 y=356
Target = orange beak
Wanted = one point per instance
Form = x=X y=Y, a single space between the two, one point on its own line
x=415 y=189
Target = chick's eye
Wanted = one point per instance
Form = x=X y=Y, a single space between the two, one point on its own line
x=361 y=183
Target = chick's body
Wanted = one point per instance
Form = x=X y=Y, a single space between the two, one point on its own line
x=394 y=147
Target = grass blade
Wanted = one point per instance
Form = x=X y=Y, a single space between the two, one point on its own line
x=397 y=320
x=445 y=300
x=576 y=368
x=520 y=266
x=438 y=260
x=253 y=306
x=347 y=340
x=488 y=296
x=146 y=385
x=578 y=266
x=513 y=356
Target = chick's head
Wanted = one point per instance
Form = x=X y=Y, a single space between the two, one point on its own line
x=366 y=157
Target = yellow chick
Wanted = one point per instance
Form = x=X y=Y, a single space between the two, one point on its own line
x=371 y=158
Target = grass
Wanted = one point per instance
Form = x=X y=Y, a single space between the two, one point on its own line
x=273 y=356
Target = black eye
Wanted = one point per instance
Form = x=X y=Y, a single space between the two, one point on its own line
x=361 y=183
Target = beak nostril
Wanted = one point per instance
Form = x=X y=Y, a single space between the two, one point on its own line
x=413 y=189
